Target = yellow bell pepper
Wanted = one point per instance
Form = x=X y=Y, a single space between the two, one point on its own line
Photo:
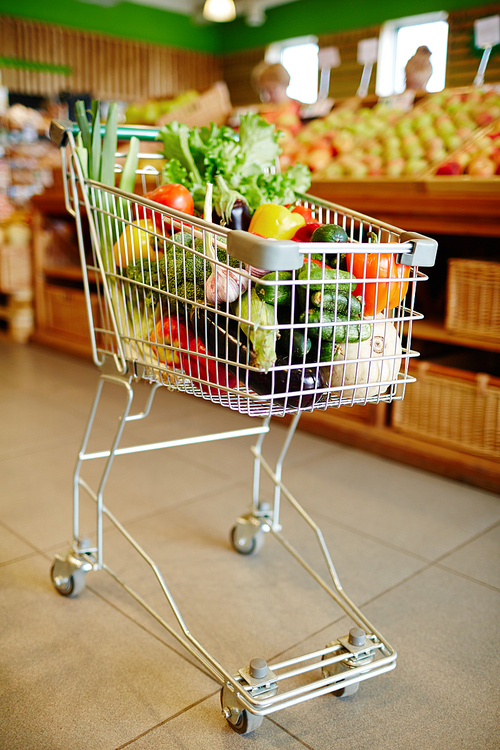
x=277 y=222
x=135 y=243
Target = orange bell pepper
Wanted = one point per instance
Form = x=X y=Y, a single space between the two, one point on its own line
x=375 y=268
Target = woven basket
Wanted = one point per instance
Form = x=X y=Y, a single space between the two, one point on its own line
x=213 y=105
x=456 y=408
x=15 y=268
x=473 y=297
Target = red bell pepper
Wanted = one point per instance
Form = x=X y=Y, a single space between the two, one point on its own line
x=194 y=361
x=377 y=292
x=305 y=233
x=305 y=212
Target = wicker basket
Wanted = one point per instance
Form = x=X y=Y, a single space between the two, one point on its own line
x=15 y=268
x=455 y=408
x=473 y=297
x=212 y=106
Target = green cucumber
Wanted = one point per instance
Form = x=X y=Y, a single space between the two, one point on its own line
x=301 y=343
x=350 y=329
x=310 y=274
x=275 y=292
x=344 y=304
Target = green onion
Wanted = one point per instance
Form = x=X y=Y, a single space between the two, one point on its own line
x=83 y=123
x=127 y=181
x=83 y=155
x=95 y=150
x=109 y=146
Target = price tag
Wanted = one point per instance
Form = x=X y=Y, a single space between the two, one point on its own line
x=328 y=57
x=367 y=51
x=487 y=32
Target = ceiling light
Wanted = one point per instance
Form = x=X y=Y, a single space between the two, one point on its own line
x=219 y=10
x=255 y=15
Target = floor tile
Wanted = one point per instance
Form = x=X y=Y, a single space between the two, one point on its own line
x=11 y=546
x=203 y=727
x=444 y=692
x=75 y=671
x=479 y=559
x=138 y=484
x=245 y=605
x=406 y=507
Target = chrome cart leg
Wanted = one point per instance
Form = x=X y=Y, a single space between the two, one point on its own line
x=68 y=573
x=247 y=536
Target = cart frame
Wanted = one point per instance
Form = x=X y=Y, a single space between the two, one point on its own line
x=256 y=690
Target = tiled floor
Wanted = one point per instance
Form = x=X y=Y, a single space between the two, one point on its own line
x=417 y=553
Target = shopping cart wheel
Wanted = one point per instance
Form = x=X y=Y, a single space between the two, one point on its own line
x=71 y=586
x=246 y=538
x=356 y=638
x=239 y=719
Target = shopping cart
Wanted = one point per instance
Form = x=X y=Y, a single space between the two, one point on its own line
x=260 y=327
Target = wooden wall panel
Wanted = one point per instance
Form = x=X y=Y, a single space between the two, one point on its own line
x=463 y=62
x=104 y=66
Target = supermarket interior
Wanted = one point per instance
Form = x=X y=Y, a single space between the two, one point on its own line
x=200 y=205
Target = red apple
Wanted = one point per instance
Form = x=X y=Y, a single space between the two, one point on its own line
x=481 y=167
x=450 y=168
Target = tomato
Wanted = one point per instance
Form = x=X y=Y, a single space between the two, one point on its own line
x=305 y=212
x=376 y=292
x=173 y=196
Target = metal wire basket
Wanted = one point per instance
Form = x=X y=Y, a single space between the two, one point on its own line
x=174 y=301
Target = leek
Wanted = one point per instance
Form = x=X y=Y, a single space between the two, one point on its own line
x=83 y=155
x=109 y=145
x=127 y=181
x=95 y=148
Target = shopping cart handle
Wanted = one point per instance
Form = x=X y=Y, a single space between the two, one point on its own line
x=59 y=130
x=423 y=252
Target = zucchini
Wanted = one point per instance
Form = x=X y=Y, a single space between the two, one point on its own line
x=275 y=292
x=350 y=329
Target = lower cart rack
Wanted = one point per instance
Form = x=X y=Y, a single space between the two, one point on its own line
x=337 y=339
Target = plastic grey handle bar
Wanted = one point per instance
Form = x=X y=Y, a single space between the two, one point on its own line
x=60 y=128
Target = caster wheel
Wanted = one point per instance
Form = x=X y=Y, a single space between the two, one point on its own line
x=335 y=669
x=246 y=544
x=71 y=586
x=240 y=720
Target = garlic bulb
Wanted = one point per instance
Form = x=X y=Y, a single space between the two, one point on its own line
x=224 y=285
x=257 y=273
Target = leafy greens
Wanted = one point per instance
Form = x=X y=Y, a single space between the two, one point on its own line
x=244 y=160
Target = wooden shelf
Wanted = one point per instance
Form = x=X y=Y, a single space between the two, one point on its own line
x=430 y=330
x=408 y=205
x=70 y=273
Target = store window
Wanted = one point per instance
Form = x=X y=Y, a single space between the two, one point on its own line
x=399 y=40
x=300 y=57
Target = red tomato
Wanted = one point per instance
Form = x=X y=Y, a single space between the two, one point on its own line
x=305 y=212
x=174 y=196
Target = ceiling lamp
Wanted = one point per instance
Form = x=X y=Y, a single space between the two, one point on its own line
x=219 y=10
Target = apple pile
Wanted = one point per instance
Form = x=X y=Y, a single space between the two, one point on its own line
x=386 y=142
x=480 y=158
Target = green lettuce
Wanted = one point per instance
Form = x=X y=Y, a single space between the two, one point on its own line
x=245 y=161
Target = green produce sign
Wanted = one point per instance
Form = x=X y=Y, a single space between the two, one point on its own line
x=40 y=67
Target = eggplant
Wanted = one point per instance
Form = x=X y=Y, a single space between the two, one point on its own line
x=239 y=219
x=224 y=338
